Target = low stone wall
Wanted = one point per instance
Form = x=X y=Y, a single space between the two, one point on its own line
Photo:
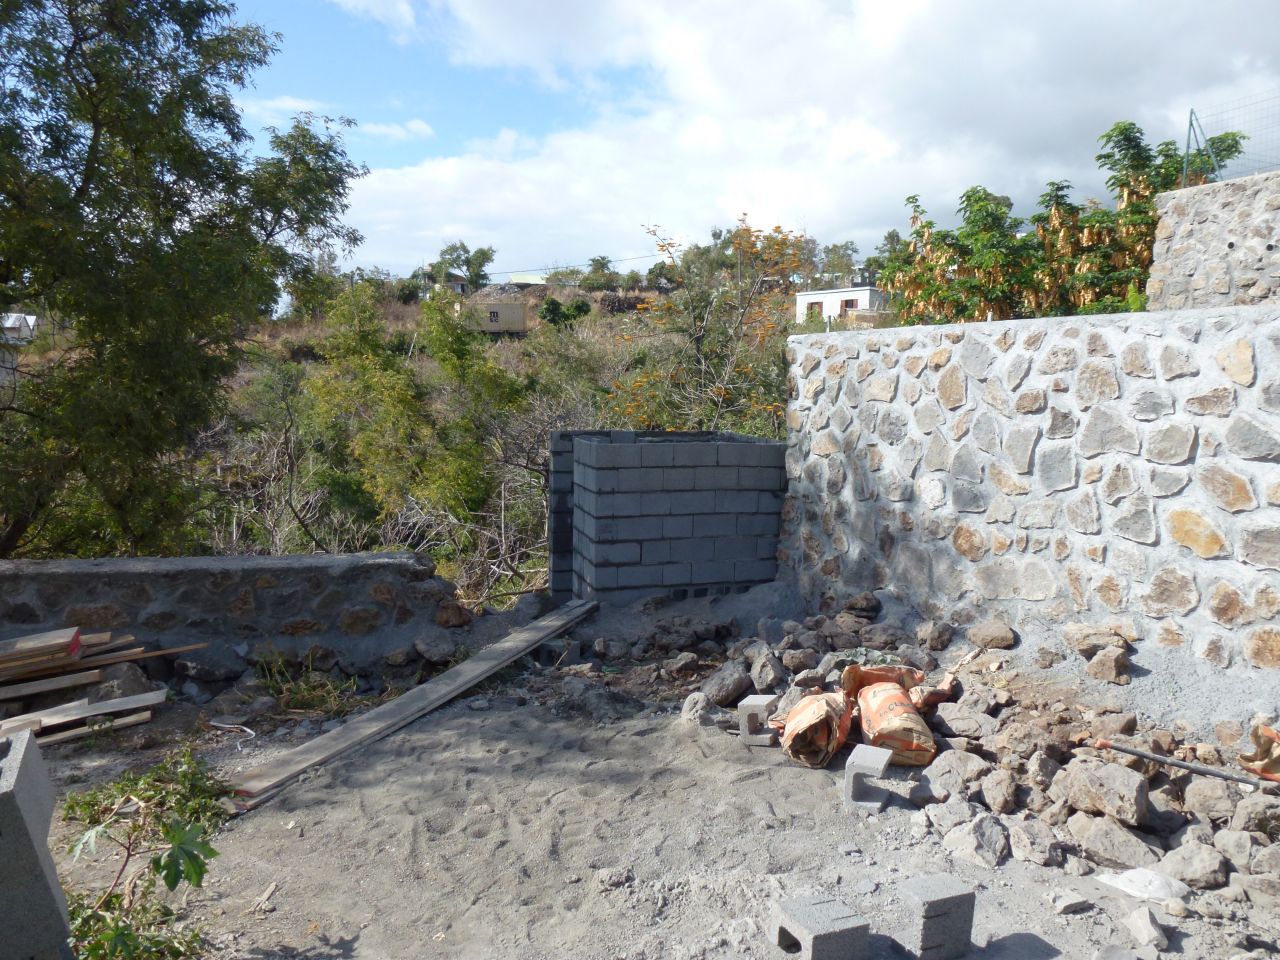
x=1064 y=469
x=358 y=608
x=686 y=514
x=1217 y=245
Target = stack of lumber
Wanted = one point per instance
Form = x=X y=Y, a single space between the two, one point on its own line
x=64 y=660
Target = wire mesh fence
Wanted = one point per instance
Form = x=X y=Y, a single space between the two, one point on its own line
x=1258 y=118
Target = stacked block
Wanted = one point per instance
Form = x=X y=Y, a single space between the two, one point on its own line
x=685 y=514
x=945 y=906
x=33 y=911
x=820 y=928
x=865 y=762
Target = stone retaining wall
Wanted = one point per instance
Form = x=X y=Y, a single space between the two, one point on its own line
x=1217 y=245
x=1050 y=470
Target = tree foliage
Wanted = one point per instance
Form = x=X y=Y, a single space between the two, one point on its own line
x=462 y=260
x=137 y=220
x=1076 y=259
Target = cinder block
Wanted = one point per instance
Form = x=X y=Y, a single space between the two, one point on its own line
x=694 y=453
x=945 y=907
x=820 y=928
x=600 y=481
x=694 y=549
x=753 y=571
x=560 y=483
x=618 y=455
x=692 y=501
x=767 y=549
x=769 y=501
x=758 y=524
x=637 y=528
x=676 y=574
x=712 y=571
x=674 y=527
x=761 y=478
x=863 y=763
x=639 y=576
x=656 y=454
x=655 y=504
x=715 y=525
x=641 y=480
x=736 y=501
x=735 y=548
x=753 y=716
x=715 y=478
x=586 y=451
x=655 y=551
x=615 y=554
x=679 y=478
x=33 y=910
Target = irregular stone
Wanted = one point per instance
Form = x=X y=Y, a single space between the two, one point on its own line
x=1197 y=865
x=1265 y=859
x=1229 y=490
x=997 y=398
x=727 y=684
x=1151 y=405
x=1030 y=401
x=1171 y=591
x=1144 y=928
x=982 y=840
x=1033 y=841
x=1095 y=383
x=951 y=390
x=954 y=770
x=1111 y=592
x=450 y=613
x=1088 y=639
x=1111 y=665
x=125 y=680
x=1082 y=513
x=1135 y=362
x=1017 y=370
x=1041 y=769
x=799 y=660
x=1019 y=446
x=1171 y=443
x=1262 y=647
x=1008 y=483
x=881 y=388
x=992 y=634
x=767 y=674
x=436 y=650
x=1106 y=432
x=1110 y=843
x=946 y=816
x=925 y=792
x=1062 y=424
x=1256 y=813
x=956 y=720
x=935 y=634
x=1238 y=846
x=976 y=357
x=1119 y=484
x=1253 y=440
x=1211 y=799
x=998 y=789
x=1215 y=402
x=1176 y=362
x=1136 y=520
x=1056 y=466
x=1064 y=903
x=699 y=710
x=969 y=497
x=969 y=543
x=1091 y=786
x=965 y=464
x=825 y=444
x=1166 y=481
x=1059 y=359
x=1260 y=546
x=1194 y=531
x=1236 y=361
x=1038 y=515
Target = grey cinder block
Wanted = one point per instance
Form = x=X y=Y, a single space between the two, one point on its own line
x=693 y=501
x=820 y=928
x=679 y=478
x=736 y=501
x=655 y=551
x=675 y=574
x=636 y=528
x=758 y=524
x=865 y=762
x=694 y=454
x=693 y=549
x=715 y=478
x=642 y=480
x=674 y=527
x=712 y=571
x=747 y=571
x=945 y=907
x=753 y=719
x=735 y=548
x=618 y=455
x=768 y=501
x=656 y=454
x=715 y=525
x=33 y=910
x=762 y=478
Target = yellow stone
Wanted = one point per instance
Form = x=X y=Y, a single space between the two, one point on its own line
x=1196 y=533
x=1236 y=361
x=1263 y=647
x=969 y=543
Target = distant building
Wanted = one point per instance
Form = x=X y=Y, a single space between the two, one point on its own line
x=16 y=331
x=455 y=283
x=507 y=308
x=838 y=304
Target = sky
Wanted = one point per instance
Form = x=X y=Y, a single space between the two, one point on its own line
x=561 y=130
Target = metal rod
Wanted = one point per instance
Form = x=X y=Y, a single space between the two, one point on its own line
x=1169 y=761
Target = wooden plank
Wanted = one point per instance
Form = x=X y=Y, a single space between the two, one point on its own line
x=64 y=641
x=79 y=711
x=102 y=726
x=31 y=721
x=106 y=659
x=19 y=691
x=92 y=649
x=421 y=700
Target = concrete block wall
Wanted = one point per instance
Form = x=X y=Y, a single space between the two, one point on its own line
x=675 y=513
x=1217 y=245
x=1121 y=468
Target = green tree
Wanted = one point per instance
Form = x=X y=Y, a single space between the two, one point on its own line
x=556 y=313
x=600 y=275
x=461 y=259
x=892 y=245
x=140 y=220
x=838 y=262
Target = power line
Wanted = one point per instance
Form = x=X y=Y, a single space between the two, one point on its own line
x=572 y=266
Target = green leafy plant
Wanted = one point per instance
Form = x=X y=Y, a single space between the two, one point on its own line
x=306 y=690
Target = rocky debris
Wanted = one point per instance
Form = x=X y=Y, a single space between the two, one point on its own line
x=728 y=684
x=959 y=720
x=1092 y=786
x=925 y=792
x=613 y=878
x=1211 y=799
x=1064 y=902
x=935 y=634
x=998 y=791
x=799 y=660
x=982 y=840
x=992 y=635
x=435 y=650
x=1257 y=813
x=1146 y=929
x=450 y=613
x=1109 y=843
x=1126 y=953
x=1033 y=840
x=1111 y=665
x=768 y=674
x=954 y=770
x=945 y=817
x=119 y=680
x=1089 y=639
x=1265 y=860
x=594 y=701
x=1196 y=864
x=699 y=709
x=1238 y=847
x=681 y=663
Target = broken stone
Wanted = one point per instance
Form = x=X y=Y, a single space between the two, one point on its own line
x=998 y=789
x=1033 y=841
x=727 y=684
x=1171 y=591
x=946 y=816
x=1211 y=799
x=1064 y=902
x=935 y=634
x=1151 y=405
x=1229 y=490
x=1238 y=847
x=1215 y=402
x=925 y=792
x=1260 y=546
x=1111 y=665
x=958 y=720
x=1176 y=362
x=1248 y=438
x=1142 y=924
x=1106 y=788
x=1087 y=639
x=1166 y=481
x=1019 y=446
x=799 y=660
x=1109 y=843
x=992 y=635
x=1095 y=383
x=698 y=709
x=954 y=770
x=768 y=674
x=1041 y=769
x=1236 y=361
x=1135 y=362
x=983 y=840
x=1196 y=864
x=1170 y=443
x=1136 y=520
x=1195 y=532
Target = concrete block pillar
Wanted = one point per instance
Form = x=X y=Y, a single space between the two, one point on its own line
x=33 y=910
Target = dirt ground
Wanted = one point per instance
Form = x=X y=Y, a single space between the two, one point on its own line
x=548 y=818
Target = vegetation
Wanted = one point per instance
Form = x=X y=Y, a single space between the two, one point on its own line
x=1076 y=259
x=307 y=690
x=158 y=821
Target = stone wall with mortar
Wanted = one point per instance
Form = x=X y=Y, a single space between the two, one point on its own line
x=1048 y=471
x=1217 y=245
x=359 y=608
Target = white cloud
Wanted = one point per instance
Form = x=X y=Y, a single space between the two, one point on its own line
x=397 y=14
x=398 y=132
x=816 y=115
x=276 y=111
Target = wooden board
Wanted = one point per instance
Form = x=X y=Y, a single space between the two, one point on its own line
x=101 y=726
x=31 y=721
x=106 y=659
x=80 y=711
x=19 y=691
x=421 y=700
x=54 y=641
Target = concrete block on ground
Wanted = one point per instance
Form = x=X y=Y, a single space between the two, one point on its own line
x=865 y=762
x=945 y=907
x=33 y=910
x=753 y=720
x=820 y=928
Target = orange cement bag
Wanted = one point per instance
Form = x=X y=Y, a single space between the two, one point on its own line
x=816 y=728
x=926 y=698
x=890 y=720
x=1265 y=759
x=854 y=677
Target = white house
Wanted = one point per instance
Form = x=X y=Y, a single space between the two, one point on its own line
x=16 y=330
x=833 y=304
